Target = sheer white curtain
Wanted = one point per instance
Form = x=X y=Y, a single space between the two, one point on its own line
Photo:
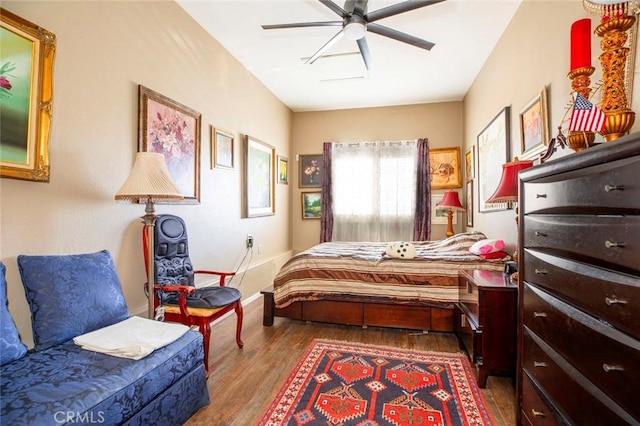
x=373 y=190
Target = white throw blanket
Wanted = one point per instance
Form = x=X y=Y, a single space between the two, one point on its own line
x=133 y=338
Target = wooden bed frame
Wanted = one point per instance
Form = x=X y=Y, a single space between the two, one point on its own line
x=362 y=313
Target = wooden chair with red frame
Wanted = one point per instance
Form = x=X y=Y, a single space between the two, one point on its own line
x=176 y=297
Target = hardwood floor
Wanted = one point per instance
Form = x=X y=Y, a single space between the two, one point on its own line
x=243 y=382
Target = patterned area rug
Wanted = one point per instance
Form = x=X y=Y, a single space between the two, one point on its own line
x=343 y=383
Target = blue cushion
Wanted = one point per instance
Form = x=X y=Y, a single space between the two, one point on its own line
x=71 y=295
x=11 y=348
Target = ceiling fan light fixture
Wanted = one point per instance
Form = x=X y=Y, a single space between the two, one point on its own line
x=354 y=30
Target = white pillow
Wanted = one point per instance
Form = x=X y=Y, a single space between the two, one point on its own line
x=401 y=250
x=487 y=246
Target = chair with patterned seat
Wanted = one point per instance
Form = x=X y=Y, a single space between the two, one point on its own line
x=176 y=296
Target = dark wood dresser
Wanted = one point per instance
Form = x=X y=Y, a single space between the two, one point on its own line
x=485 y=321
x=579 y=288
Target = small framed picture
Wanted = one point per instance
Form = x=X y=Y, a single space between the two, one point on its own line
x=310 y=171
x=470 y=203
x=222 y=144
x=534 y=126
x=283 y=170
x=311 y=205
x=469 y=163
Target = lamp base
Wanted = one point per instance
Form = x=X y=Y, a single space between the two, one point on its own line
x=450 y=231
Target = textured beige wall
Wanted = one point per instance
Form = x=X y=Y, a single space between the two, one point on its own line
x=533 y=52
x=440 y=123
x=104 y=50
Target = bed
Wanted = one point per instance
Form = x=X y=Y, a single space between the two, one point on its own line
x=359 y=284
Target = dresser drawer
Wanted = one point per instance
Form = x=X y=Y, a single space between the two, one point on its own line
x=605 y=356
x=604 y=188
x=534 y=409
x=612 y=241
x=603 y=293
x=565 y=387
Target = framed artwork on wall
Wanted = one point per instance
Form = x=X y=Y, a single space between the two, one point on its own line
x=311 y=205
x=534 y=125
x=259 y=179
x=444 y=168
x=310 y=172
x=469 y=163
x=173 y=130
x=26 y=90
x=470 y=205
x=222 y=149
x=283 y=170
x=493 y=151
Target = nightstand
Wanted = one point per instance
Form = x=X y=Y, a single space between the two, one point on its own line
x=485 y=321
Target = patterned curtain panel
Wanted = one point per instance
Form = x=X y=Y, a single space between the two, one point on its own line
x=326 y=220
x=374 y=189
x=422 y=223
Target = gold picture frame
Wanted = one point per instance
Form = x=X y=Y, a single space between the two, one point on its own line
x=283 y=170
x=311 y=205
x=534 y=125
x=222 y=149
x=173 y=130
x=444 y=168
x=259 y=179
x=26 y=87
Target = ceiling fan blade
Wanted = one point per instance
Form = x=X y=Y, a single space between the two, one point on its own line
x=399 y=8
x=326 y=47
x=400 y=36
x=303 y=25
x=337 y=9
x=364 y=51
x=359 y=7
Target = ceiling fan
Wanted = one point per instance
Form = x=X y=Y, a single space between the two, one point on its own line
x=356 y=21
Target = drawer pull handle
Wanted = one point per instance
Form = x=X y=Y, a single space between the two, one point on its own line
x=541 y=271
x=537 y=413
x=609 y=244
x=541 y=195
x=608 y=367
x=613 y=300
x=540 y=234
x=539 y=314
x=610 y=188
x=539 y=364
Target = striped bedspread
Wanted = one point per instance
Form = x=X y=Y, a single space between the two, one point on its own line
x=353 y=271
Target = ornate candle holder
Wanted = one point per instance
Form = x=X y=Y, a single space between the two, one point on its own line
x=613 y=60
x=580 y=82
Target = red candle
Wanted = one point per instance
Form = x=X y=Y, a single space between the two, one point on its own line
x=581 y=44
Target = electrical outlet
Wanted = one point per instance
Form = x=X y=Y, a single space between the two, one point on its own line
x=249 y=241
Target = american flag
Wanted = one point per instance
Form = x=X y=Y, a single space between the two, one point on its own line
x=586 y=117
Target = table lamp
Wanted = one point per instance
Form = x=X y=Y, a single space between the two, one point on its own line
x=149 y=181
x=450 y=202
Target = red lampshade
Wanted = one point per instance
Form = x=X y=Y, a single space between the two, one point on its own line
x=450 y=201
x=508 y=186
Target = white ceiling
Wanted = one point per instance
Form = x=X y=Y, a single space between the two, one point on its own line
x=464 y=32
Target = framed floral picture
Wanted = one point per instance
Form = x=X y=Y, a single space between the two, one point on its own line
x=311 y=205
x=173 y=130
x=310 y=172
x=283 y=170
x=259 y=180
x=26 y=93
x=222 y=149
x=444 y=168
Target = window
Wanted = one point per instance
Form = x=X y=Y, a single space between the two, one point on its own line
x=373 y=191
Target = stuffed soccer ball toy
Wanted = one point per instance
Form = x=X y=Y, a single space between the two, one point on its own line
x=401 y=250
